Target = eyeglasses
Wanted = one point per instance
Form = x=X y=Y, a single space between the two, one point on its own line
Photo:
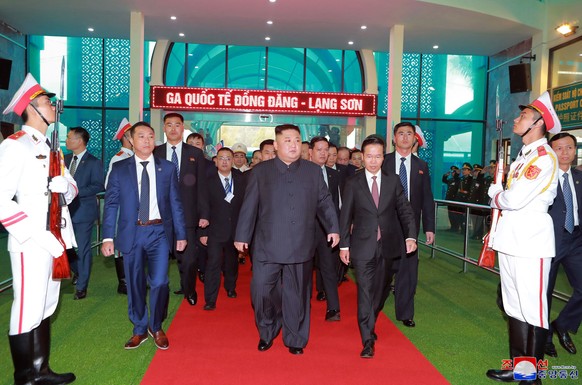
x=224 y=158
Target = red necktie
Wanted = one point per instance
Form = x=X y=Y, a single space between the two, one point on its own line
x=376 y=198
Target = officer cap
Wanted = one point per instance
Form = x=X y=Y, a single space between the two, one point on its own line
x=29 y=90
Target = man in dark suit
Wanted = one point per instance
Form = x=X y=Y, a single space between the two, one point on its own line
x=284 y=197
x=88 y=173
x=326 y=258
x=568 y=243
x=415 y=179
x=143 y=199
x=191 y=166
x=226 y=190
x=377 y=231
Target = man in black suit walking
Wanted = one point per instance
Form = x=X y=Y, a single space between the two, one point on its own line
x=189 y=162
x=415 y=179
x=326 y=258
x=568 y=242
x=284 y=197
x=377 y=231
x=226 y=189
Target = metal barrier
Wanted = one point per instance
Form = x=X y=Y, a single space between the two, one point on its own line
x=467 y=260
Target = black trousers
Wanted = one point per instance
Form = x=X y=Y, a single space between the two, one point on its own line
x=281 y=299
x=222 y=256
x=373 y=278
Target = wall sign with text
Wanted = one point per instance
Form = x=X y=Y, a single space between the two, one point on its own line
x=567 y=102
x=262 y=101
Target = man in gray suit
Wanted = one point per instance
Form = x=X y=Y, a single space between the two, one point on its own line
x=284 y=197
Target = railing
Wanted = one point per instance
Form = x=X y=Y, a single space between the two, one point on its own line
x=466 y=256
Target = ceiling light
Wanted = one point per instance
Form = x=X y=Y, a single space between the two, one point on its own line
x=195 y=67
x=329 y=71
x=567 y=29
x=173 y=17
x=269 y=22
x=350 y=42
x=267 y=38
x=90 y=29
x=181 y=34
x=337 y=60
x=272 y=1
x=435 y=47
x=190 y=54
x=363 y=27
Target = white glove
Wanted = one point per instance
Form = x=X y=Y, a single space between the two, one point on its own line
x=59 y=184
x=47 y=241
x=494 y=189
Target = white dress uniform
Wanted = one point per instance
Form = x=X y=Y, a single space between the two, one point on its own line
x=24 y=197
x=123 y=153
x=524 y=237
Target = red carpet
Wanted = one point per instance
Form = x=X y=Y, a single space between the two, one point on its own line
x=220 y=347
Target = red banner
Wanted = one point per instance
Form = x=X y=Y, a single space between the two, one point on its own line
x=261 y=101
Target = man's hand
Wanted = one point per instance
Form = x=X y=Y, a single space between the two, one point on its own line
x=49 y=242
x=429 y=237
x=107 y=249
x=204 y=241
x=181 y=245
x=203 y=223
x=241 y=246
x=58 y=184
x=494 y=189
x=410 y=246
x=345 y=256
x=333 y=238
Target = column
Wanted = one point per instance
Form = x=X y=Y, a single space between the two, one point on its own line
x=136 y=59
x=394 y=80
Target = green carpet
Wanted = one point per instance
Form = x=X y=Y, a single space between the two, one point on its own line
x=459 y=328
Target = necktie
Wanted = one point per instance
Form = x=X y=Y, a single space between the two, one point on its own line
x=144 y=196
x=403 y=176
x=73 y=167
x=325 y=176
x=569 y=223
x=226 y=186
x=376 y=198
x=175 y=161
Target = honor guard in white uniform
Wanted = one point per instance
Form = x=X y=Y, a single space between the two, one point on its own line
x=125 y=152
x=24 y=196
x=524 y=238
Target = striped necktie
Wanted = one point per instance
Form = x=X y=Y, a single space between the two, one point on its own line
x=403 y=176
x=73 y=168
x=175 y=161
x=227 y=186
x=569 y=222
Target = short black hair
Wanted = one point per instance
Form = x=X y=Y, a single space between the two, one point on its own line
x=225 y=149
x=316 y=139
x=563 y=135
x=266 y=142
x=354 y=151
x=195 y=135
x=282 y=127
x=373 y=139
x=142 y=123
x=84 y=134
x=403 y=124
x=174 y=115
x=331 y=145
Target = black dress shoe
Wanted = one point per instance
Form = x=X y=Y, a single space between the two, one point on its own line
x=332 y=315
x=80 y=294
x=550 y=350
x=409 y=323
x=75 y=279
x=178 y=292
x=321 y=296
x=210 y=306
x=564 y=339
x=293 y=350
x=122 y=287
x=242 y=260
x=231 y=293
x=368 y=351
x=192 y=299
x=265 y=345
x=374 y=336
x=201 y=276
x=500 y=375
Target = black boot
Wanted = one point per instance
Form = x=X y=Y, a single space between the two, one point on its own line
x=41 y=352
x=536 y=346
x=518 y=340
x=21 y=349
x=122 y=285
